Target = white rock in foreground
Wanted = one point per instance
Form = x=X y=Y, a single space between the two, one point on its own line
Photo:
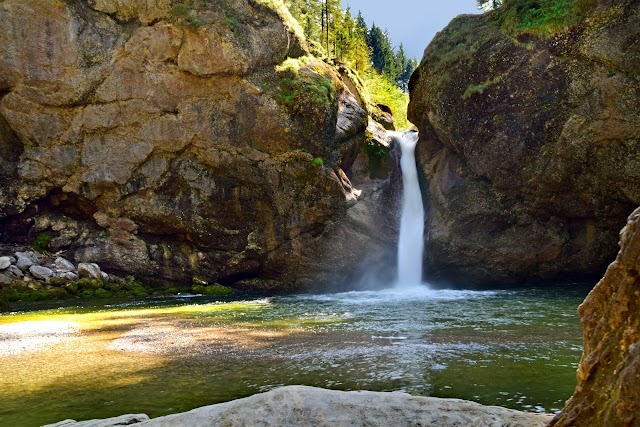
x=308 y=406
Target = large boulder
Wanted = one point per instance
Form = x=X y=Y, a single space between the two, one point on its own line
x=170 y=140
x=607 y=393
x=310 y=406
x=530 y=145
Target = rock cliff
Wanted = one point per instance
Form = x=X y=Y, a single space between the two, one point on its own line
x=609 y=373
x=172 y=139
x=530 y=145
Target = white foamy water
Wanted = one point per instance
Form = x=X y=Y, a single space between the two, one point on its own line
x=411 y=240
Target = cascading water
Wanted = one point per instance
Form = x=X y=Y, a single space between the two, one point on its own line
x=410 y=242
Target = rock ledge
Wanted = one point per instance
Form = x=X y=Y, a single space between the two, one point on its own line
x=306 y=406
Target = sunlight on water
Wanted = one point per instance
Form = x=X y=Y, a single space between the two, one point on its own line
x=516 y=348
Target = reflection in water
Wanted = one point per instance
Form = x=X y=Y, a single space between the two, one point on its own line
x=512 y=348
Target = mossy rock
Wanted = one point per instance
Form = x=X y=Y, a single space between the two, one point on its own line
x=211 y=290
x=57 y=293
x=90 y=284
x=137 y=290
x=58 y=281
x=71 y=288
x=102 y=293
x=113 y=287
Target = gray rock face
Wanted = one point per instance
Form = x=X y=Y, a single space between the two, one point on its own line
x=298 y=406
x=530 y=151
x=40 y=272
x=182 y=150
x=5 y=262
x=89 y=271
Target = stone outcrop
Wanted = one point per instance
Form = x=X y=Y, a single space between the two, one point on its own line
x=309 y=406
x=530 y=145
x=168 y=140
x=609 y=372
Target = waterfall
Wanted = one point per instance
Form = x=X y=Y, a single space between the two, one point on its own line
x=411 y=240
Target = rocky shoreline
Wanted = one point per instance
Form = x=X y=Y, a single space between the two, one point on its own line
x=27 y=275
x=310 y=406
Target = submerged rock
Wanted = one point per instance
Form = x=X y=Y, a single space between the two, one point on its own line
x=530 y=145
x=308 y=406
x=607 y=393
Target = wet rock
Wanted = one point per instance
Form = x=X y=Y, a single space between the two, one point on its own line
x=89 y=271
x=5 y=262
x=63 y=265
x=40 y=272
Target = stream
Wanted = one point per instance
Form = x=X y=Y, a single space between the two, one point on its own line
x=517 y=348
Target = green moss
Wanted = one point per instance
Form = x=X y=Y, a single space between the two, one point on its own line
x=183 y=14
x=102 y=293
x=137 y=290
x=90 y=284
x=479 y=88
x=58 y=281
x=41 y=242
x=71 y=288
x=542 y=18
x=317 y=161
x=211 y=290
x=374 y=150
x=302 y=85
x=4 y=301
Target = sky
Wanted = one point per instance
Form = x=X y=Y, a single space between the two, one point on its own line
x=411 y=22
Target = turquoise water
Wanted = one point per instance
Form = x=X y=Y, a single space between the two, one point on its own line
x=515 y=348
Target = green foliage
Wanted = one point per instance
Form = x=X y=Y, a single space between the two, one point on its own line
x=183 y=14
x=542 y=18
x=299 y=89
x=374 y=150
x=317 y=161
x=382 y=90
x=41 y=242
